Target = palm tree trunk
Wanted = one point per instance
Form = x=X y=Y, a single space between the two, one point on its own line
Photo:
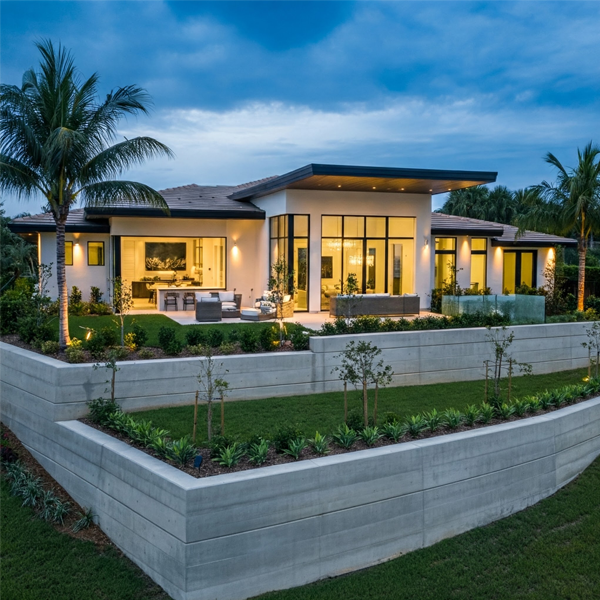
x=582 y=250
x=61 y=278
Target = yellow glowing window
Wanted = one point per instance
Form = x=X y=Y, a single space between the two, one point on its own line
x=96 y=254
x=69 y=254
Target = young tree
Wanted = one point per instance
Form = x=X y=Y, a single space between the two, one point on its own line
x=122 y=303
x=213 y=385
x=56 y=138
x=571 y=206
x=358 y=367
x=281 y=284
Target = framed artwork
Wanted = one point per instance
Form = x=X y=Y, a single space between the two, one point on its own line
x=166 y=256
x=326 y=267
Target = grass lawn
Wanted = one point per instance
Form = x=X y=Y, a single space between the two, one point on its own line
x=152 y=324
x=39 y=562
x=547 y=552
x=324 y=412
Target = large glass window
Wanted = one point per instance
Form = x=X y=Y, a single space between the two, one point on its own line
x=200 y=262
x=96 y=254
x=518 y=269
x=445 y=261
x=289 y=240
x=69 y=254
x=478 y=264
x=379 y=251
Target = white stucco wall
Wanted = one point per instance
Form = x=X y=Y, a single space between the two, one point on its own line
x=80 y=274
x=318 y=203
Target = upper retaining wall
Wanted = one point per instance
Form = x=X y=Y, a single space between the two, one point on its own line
x=417 y=357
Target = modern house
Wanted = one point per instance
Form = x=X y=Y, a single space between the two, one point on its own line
x=328 y=221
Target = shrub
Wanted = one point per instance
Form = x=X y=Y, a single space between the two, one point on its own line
x=300 y=339
x=182 y=451
x=391 y=417
x=345 y=437
x=195 y=336
x=99 y=308
x=96 y=345
x=119 y=352
x=471 y=415
x=145 y=354
x=520 y=407
x=394 y=430
x=505 y=411
x=295 y=447
x=49 y=347
x=101 y=409
x=284 y=435
x=452 y=418
x=370 y=435
x=218 y=443
x=416 y=425
x=258 y=452
x=129 y=341
x=230 y=455
x=320 y=444
x=269 y=338
x=486 y=412
x=30 y=331
x=227 y=348
x=75 y=297
x=74 y=351
x=434 y=420
x=161 y=445
x=215 y=337
x=167 y=340
x=198 y=350
x=95 y=295
x=234 y=336
x=86 y=519
x=13 y=305
x=248 y=340
x=110 y=336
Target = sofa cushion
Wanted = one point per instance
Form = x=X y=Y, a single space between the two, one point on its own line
x=200 y=295
x=226 y=296
x=210 y=299
x=287 y=298
x=229 y=305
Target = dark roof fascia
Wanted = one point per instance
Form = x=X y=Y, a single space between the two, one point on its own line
x=528 y=244
x=279 y=183
x=98 y=227
x=489 y=232
x=94 y=213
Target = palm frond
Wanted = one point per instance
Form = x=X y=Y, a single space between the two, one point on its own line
x=114 y=160
x=109 y=193
x=18 y=179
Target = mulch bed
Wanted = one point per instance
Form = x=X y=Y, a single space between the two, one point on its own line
x=93 y=533
x=209 y=468
x=15 y=340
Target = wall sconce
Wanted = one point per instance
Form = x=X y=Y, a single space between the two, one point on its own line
x=425 y=241
x=76 y=244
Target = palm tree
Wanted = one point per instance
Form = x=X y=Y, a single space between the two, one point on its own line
x=56 y=140
x=571 y=206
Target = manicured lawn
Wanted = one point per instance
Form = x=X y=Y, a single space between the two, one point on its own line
x=39 y=562
x=324 y=412
x=152 y=324
x=547 y=552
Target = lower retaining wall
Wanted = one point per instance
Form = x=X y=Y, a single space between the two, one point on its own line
x=418 y=357
x=234 y=536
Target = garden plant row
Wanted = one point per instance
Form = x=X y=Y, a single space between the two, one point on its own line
x=289 y=443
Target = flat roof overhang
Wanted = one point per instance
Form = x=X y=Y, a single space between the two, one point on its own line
x=473 y=232
x=95 y=213
x=102 y=227
x=533 y=244
x=368 y=179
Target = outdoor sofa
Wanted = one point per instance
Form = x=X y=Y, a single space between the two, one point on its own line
x=379 y=305
x=214 y=306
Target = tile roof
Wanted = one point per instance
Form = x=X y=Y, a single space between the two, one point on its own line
x=503 y=235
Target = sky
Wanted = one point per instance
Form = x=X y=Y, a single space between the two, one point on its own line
x=244 y=90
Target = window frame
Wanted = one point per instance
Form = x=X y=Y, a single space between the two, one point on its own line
x=480 y=253
x=518 y=267
x=443 y=253
x=69 y=243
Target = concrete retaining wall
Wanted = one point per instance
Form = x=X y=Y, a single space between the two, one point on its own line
x=234 y=536
x=416 y=358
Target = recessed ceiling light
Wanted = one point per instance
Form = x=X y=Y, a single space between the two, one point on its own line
x=401 y=189
x=431 y=190
x=339 y=186
x=374 y=188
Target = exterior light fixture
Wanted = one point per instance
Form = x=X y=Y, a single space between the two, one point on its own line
x=76 y=244
x=401 y=189
x=198 y=461
x=374 y=188
x=425 y=241
x=431 y=190
x=339 y=186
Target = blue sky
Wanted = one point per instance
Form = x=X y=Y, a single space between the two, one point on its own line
x=243 y=90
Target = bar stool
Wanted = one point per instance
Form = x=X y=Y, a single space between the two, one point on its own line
x=171 y=300
x=188 y=300
x=152 y=297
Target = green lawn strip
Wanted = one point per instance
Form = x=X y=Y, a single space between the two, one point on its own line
x=324 y=412
x=152 y=324
x=549 y=551
x=40 y=562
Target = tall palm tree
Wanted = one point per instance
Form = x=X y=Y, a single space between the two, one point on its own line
x=571 y=206
x=56 y=141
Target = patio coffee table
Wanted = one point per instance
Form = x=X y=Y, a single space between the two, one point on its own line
x=254 y=314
